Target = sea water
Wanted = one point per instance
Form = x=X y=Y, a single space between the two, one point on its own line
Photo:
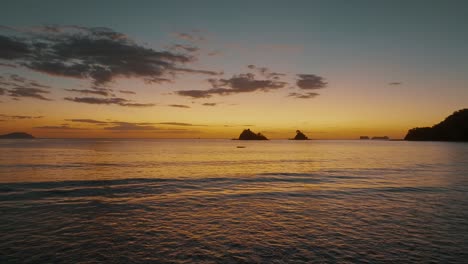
x=208 y=201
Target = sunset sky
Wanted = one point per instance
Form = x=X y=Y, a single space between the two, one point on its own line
x=208 y=69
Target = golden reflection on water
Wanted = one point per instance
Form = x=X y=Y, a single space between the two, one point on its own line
x=190 y=201
x=49 y=160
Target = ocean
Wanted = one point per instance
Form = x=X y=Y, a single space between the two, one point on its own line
x=209 y=201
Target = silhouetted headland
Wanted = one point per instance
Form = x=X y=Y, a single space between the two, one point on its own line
x=16 y=135
x=364 y=137
x=300 y=136
x=453 y=128
x=247 y=134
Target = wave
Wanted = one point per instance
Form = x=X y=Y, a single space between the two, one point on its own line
x=260 y=185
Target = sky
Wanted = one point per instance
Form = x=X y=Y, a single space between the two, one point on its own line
x=209 y=69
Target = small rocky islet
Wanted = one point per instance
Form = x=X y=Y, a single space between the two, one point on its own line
x=247 y=134
x=300 y=136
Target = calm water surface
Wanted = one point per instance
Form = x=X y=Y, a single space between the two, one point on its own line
x=207 y=201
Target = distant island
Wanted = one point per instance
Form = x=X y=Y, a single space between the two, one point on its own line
x=380 y=138
x=16 y=135
x=247 y=134
x=453 y=128
x=300 y=136
x=374 y=138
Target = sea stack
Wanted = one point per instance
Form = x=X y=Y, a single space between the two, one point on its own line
x=247 y=134
x=16 y=135
x=300 y=136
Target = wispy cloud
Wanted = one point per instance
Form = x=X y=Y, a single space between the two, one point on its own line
x=103 y=92
x=395 y=83
x=61 y=127
x=20 y=116
x=266 y=72
x=179 y=124
x=191 y=37
x=185 y=48
x=123 y=126
x=303 y=95
x=186 y=70
x=29 y=92
x=179 y=106
x=120 y=125
x=242 y=83
x=18 y=87
x=90 y=121
x=107 y=101
x=126 y=92
x=175 y=124
x=8 y=65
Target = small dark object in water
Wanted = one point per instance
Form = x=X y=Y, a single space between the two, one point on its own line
x=240 y=146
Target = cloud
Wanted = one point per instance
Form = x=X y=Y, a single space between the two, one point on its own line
x=184 y=48
x=123 y=126
x=209 y=104
x=179 y=106
x=103 y=92
x=310 y=82
x=90 y=121
x=189 y=37
x=20 y=116
x=303 y=95
x=126 y=92
x=18 y=87
x=180 y=124
x=241 y=83
x=176 y=124
x=98 y=54
x=395 y=83
x=198 y=71
x=119 y=125
x=14 y=80
x=62 y=127
x=12 y=48
x=195 y=93
x=28 y=92
x=7 y=65
x=266 y=72
x=107 y=101
x=99 y=122
x=238 y=125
